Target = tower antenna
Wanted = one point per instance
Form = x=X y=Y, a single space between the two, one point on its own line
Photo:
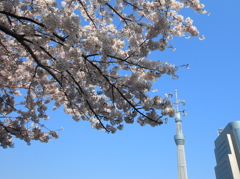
x=177 y=100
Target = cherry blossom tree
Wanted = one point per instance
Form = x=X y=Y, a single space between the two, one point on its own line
x=89 y=56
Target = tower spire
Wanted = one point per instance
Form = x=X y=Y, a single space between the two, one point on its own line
x=180 y=140
x=177 y=101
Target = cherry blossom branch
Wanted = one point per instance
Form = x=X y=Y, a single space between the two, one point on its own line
x=25 y=87
x=22 y=18
x=123 y=18
x=35 y=22
x=79 y=88
x=20 y=39
x=14 y=109
x=81 y=91
x=7 y=129
x=83 y=70
x=134 y=107
x=87 y=13
x=130 y=63
x=117 y=58
x=132 y=5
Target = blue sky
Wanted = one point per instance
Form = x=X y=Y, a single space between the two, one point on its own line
x=210 y=88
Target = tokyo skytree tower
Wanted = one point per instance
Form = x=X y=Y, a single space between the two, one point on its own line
x=180 y=140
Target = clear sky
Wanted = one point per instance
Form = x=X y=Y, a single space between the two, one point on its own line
x=211 y=89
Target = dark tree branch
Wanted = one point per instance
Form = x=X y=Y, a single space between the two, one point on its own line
x=129 y=102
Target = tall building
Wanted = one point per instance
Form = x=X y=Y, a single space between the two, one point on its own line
x=227 y=152
x=180 y=140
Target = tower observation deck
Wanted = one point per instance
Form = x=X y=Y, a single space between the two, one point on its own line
x=180 y=140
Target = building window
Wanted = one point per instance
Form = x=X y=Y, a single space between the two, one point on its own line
x=226 y=174
x=219 y=147
x=221 y=150
x=219 y=173
x=220 y=166
x=237 y=135
x=223 y=155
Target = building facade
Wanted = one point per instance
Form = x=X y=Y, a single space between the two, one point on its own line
x=227 y=152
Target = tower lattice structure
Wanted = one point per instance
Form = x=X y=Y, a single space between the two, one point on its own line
x=180 y=140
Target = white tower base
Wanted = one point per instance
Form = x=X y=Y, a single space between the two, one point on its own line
x=182 y=167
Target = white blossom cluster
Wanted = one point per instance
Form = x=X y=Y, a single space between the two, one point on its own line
x=74 y=54
x=62 y=64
